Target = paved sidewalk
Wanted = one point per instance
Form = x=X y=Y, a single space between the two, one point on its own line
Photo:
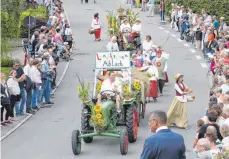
x=61 y=70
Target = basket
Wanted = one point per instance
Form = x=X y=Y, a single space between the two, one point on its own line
x=91 y=31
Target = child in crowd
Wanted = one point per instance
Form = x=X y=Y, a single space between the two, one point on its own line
x=199 y=123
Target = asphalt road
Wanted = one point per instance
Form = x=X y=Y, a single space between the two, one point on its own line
x=47 y=135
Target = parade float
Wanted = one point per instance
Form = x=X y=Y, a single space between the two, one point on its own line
x=103 y=119
x=115 y=20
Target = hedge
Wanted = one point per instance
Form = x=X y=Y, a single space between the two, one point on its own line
x=220 y=8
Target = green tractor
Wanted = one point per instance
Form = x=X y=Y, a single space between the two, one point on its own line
x=103 y=119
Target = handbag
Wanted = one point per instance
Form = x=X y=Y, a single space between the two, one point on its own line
x=91 y=31
x=68 y=38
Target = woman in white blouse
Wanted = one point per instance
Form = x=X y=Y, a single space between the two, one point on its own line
x=96 y=25
x=113 y=45
x=36 y=78
x=177 y=113
x=137 y=27
x=147 y=47
x=14 y=90
x=125 y=27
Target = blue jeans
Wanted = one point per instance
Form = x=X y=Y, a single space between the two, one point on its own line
x=47 y=90
x=35 y=94
x=40 y=94
x=19 y=106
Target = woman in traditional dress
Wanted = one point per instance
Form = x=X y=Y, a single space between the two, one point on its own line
x=96 y=25
x=147 y=47
x=152 y=72
x=177 y=113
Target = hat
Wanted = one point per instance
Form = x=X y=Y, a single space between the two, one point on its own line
x=177 y=76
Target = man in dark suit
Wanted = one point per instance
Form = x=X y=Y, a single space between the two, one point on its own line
x=164 y=144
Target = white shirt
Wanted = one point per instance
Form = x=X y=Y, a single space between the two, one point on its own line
x=51 y=60
x=226 y=121
x=147 y=46
x=161 y=128
x=154 y=72
x=107 y=85
x=68 y=31
x=225 y=88
x=13 y=86
x=35 y=75
x=124 y=26
x=136 y=28
x=111 y=46
x=27 y=70
x=182 y=98
x=95 y=24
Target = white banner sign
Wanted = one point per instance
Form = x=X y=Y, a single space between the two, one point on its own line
x=106 y=60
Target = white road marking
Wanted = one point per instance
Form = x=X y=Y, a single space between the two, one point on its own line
x=192 y=51
x=166 y=31
x=161 y=28
x=198 y=57
x=203 y=65
x=173 y=35
x=186 y=45
x=178 y=39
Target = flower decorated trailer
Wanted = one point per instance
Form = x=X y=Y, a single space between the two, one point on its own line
x=114 y=20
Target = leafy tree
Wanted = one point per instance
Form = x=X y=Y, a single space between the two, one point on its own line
x=220 y=8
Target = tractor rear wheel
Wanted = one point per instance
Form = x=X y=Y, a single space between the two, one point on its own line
x=132 y=123
x=124 y=142
x=85 y=124
x=76 y=143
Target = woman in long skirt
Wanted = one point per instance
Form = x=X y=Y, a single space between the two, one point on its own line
x=96 y=25
x=177 y=114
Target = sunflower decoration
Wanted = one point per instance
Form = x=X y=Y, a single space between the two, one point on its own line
x=97 y=108
x=93 y=117
x=137 y=86
x=98 y=86
x=98 y=116
x=126 y=90
x=100 y=121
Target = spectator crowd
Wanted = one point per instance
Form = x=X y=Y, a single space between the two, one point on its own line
x=210 y=35
x=28 y=88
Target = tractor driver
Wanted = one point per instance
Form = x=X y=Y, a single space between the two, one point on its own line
x=111 y=84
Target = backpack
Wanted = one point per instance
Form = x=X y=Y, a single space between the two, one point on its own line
x=5 y=100
x=28 y=84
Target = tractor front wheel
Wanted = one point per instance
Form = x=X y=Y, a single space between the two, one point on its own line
x=124 y=142
x=132 y=123
x=85 y=124
x=76 y=142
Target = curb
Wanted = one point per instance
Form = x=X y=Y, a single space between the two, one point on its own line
x=16 y=127
x=57 y=85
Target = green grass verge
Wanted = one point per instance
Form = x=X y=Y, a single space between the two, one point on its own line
x=5 y=70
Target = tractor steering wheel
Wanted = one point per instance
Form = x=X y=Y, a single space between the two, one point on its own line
x=108 y=94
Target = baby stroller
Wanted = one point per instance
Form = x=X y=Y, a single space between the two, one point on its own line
x=188 y=35
x=185 y=31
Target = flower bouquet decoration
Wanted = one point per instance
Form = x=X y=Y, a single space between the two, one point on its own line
x=137 y=86
x=126 y=91
x=98 y=86
x=83 y=90
x=97 y=119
